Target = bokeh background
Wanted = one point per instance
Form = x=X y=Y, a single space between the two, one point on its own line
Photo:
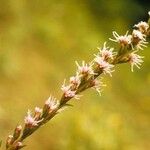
x=39 y=43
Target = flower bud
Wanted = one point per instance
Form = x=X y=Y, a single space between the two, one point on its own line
x=18 y=145
x=9 y=141
x=75 y=81
x=142 y=26
x=17 y=132
x=38 y=112
x=51 y=104
x=137 y=36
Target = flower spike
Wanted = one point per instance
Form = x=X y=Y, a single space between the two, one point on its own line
x=86 y=77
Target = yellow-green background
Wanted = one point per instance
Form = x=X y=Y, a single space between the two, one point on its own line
x=39 y=43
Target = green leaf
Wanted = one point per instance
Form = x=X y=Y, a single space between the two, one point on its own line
x=68 y=105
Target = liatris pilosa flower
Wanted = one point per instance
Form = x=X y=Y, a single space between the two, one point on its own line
x=86 y=77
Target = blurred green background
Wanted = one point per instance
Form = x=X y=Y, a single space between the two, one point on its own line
x=39 y=43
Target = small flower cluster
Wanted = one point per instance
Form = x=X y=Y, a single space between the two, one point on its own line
x=70 y=90
x=50 y=105
x=103 y=59
x=32 y=122
x=133 y=43
x=123 y=40
x=85 y=77
x=12 y=139
x=86 y=73
x=137 y=40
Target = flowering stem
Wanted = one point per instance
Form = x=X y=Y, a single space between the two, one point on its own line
x=86 y=77
x=64 y=100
